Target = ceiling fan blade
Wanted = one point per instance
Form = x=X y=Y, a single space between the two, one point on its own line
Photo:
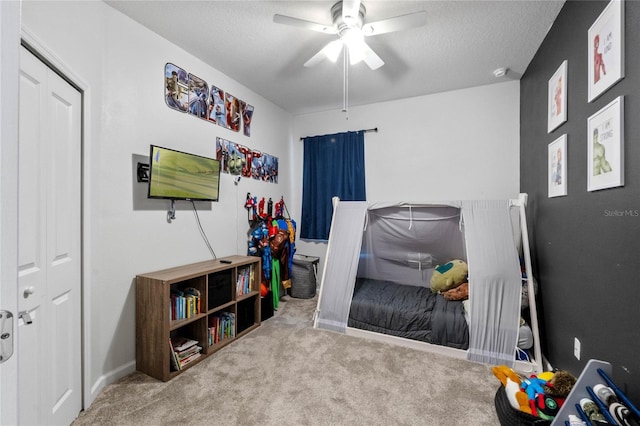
x=370 y=57
x=301 y=23
x=397 y=23
x=331 y=51
x=350 y=11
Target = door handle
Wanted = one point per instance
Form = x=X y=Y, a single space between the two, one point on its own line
x=29 y=291
x=6 y=336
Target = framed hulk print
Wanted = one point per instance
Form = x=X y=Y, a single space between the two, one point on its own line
x=605 y=149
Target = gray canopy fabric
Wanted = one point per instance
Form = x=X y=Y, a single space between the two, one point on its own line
x=404 y=242
x=495 y=282
x=345 y=239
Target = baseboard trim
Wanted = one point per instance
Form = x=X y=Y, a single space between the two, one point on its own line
x=110 y=377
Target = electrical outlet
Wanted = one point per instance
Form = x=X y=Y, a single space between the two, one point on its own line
x=576 y=348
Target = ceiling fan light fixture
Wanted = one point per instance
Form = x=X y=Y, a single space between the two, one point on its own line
x=352 y=38
x=355 y=55
x=332 y=50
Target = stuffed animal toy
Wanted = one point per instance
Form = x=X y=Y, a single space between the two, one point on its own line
x=449 y=275
x=547 y=407
x=556 y=391
x=560 y=384
x=533 y=386
x=457 y=293
x=511 y=382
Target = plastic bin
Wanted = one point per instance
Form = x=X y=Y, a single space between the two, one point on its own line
x=303 y=276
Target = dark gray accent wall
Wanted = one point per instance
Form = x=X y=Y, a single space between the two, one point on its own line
x=586 y=245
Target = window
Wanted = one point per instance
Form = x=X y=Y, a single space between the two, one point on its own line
x=333 y=167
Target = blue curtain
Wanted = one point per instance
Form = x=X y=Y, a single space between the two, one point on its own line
x=333 y=167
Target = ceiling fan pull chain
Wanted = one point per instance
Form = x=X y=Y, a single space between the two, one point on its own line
x=345 y=82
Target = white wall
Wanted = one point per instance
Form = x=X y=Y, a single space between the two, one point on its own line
x=121 y=67
x=462 y=144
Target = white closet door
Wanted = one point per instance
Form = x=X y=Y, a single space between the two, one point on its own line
x=49 y=235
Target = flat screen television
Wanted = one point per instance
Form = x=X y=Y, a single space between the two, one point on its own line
x=177 y=175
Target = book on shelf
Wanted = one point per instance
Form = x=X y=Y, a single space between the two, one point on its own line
x=194 y=293
x=190 y=359
x=183 y=351
x=175 y=364
x=188 y=352
x=244 y=280
x=182 y=343
x=184 y=303
x=221 y=326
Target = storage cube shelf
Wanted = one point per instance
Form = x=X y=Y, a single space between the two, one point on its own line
x=203 y=305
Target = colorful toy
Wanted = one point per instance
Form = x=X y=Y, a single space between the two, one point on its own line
x=449 y=275
x=250 y=205
x=533 y=386
x=547 y=407
x=280 y=208
x=545 y=375
x=511 y=382
x=560 y=384
x=261 y=212
x=556 y=391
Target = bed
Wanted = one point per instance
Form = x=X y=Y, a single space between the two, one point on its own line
x=403 y=243
x=408 y=311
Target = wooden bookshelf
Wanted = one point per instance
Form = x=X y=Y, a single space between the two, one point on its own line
x=228 y=293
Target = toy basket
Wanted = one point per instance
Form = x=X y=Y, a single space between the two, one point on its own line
x=303 y=276
x=509 y=416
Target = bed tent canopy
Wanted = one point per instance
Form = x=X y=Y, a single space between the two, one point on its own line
x=404 y=241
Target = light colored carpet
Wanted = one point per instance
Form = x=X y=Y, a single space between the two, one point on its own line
x=287 y=373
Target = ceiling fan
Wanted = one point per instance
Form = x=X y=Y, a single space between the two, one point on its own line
x=349 y=24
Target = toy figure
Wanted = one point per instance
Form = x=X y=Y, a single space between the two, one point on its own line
x=533 y=387
x=261 y=212
x=280 y=207
x=250 y=204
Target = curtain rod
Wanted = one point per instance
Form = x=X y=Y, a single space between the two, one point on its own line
x=375 y=129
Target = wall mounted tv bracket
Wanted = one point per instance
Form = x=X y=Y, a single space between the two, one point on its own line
x=143 y=172
x=171 y=214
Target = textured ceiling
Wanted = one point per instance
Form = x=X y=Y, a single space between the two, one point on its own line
x=460 y=46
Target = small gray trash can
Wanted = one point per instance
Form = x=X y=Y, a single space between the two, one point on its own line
x=303 y=276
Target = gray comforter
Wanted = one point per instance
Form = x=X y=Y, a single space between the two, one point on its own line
x=408 y=311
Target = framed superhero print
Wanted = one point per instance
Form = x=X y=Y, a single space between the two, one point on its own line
x=606 y=49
